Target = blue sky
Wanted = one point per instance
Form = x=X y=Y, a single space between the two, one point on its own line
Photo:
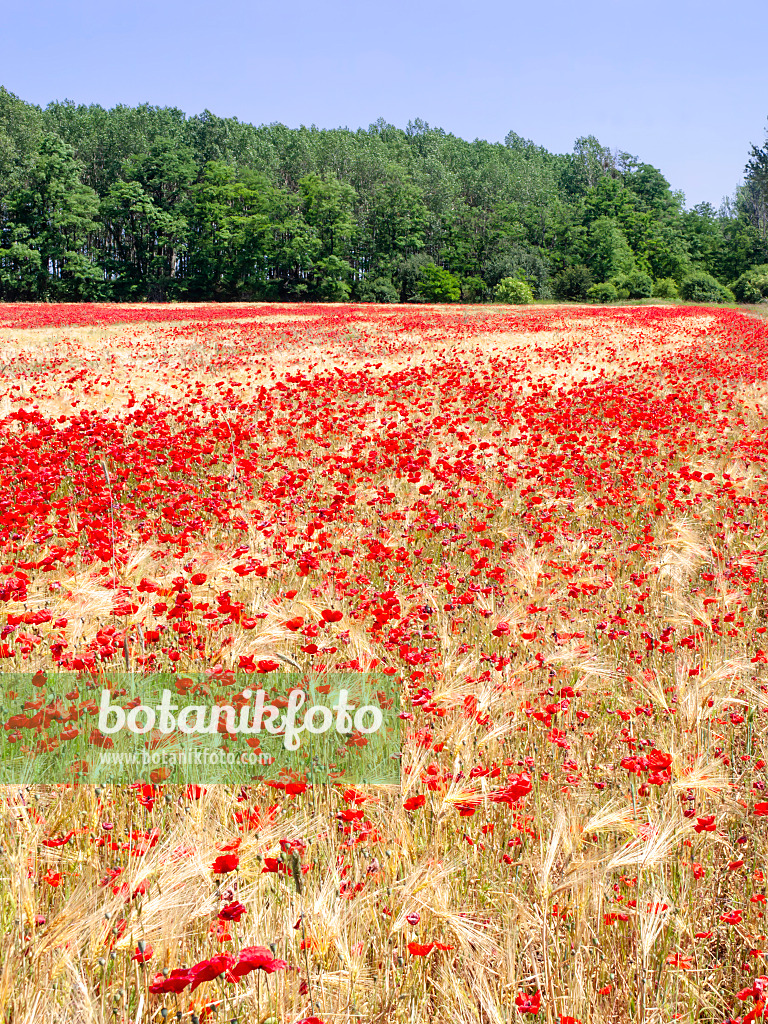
x=678 y=83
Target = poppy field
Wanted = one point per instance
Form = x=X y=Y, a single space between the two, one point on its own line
x=546 y=527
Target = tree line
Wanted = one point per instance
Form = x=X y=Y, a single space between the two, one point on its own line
x=147 y=203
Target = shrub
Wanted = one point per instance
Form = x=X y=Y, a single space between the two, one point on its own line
x=573 y=283
x=665 y=288
x=746 y=290
x=474 y=289
x=640 y=285
x=380 y=289
x=513 y=291
x=439 y=285
x=516 y=260
x=702 y=287
x=752 y=286
x=636 y=285
x=602 y=293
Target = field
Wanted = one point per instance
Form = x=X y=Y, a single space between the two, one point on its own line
x=547 y=527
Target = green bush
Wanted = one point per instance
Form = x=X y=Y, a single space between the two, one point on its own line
x=439 y=285
x=702 y=287
x=513 y=291
x=636 y=285
x=602 y=293
x=752 y=286
x=665 y=288
x=474 y=289
x=573 y=283
x=640 y=285
x=746 y=290
x=380 y=289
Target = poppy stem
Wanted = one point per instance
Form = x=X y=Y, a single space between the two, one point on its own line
x=296 y=872
x=105 y=467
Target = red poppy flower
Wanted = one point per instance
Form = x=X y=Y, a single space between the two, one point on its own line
x=528 y=1004
x=51 y=843
x=207 y=970
x=253 y=958
x=424 y=949
x=176 y=981
x=705 y=824
x=414 y=802
x=232 y=912
x=658 y=761
x=225 y=863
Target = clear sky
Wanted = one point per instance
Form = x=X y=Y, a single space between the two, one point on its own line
x=682 y=84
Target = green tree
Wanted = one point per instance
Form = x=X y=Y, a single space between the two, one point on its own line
x=54 y=214
x=104 y=141
x=206 y=206
x=327 y=206
x=752 y=286
x=332 y=279
x=754 y=193
x=135 y=239
x=165 y=173
x=20 y=264
x=608 y=251
x=638 y=285
x=702 y=230
x=588 y=164
x=407 y=276
x=297 y=248
x=235 y=230
x=394 y=220
x=21 y=132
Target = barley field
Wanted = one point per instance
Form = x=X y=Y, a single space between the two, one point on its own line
x=546 y=526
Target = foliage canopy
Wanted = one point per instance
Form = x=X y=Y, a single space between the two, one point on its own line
x=148 y=203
